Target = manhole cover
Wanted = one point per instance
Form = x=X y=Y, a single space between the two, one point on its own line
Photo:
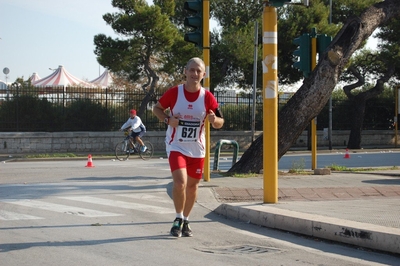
x=243 y=249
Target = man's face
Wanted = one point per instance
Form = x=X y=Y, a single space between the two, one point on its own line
x=195 y=72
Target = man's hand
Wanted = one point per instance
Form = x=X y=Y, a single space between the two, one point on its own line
x=174 y=121
x=216 y=122
x=211 y=116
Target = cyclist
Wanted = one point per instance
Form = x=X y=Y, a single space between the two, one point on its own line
x=137 y=128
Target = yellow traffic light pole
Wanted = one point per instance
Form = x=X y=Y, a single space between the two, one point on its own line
x=396 y=114
x=270 y=103
x=314 y=120
x=206 y=80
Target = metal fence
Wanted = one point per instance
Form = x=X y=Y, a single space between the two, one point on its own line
x=59 y=109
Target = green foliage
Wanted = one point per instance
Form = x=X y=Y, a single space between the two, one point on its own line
x=237 y=117
x=84 y=113
x=343 y=9
x=152 y=52
x=53 y=155
x=237 y=25
x=335 y=167
x=31 y=114
x=298 y=166
x=28 y=113
x=379 y=112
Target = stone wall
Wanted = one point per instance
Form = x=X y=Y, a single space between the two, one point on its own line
x=91 y=142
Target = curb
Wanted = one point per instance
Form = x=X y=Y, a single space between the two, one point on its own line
x=349 y=232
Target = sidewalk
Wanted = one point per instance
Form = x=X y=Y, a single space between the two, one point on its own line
x=361 y=209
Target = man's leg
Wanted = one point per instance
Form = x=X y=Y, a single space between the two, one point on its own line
x=191 y=195
x=194 y=172
x=179 y=177
x=178 y=196
x=138 y=139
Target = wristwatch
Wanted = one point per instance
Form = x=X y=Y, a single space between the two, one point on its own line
x=166 y=120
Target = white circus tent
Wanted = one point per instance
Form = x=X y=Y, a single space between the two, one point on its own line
x=104 y=80
x=34 y=77
x=61 y=78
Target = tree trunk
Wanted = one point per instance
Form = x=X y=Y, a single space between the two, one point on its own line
x=251 y=159
x=312 y=96
x=359 y=102
x=358 y=113
x=152 y=82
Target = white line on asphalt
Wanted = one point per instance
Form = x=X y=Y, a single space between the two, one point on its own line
x=146 y=197
x=120 y=204
x=59 y=208
x=13 y=216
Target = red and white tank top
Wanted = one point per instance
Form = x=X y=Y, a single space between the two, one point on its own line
x=189 y=137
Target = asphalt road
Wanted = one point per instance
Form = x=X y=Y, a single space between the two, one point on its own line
x=119 y=213
x=302 y=160
x=379 y=158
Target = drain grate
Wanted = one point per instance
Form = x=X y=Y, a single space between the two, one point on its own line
x=243 y=249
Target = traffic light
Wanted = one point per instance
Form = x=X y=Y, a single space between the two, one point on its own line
x=323 y=42
x=195 y=22
x=304 y=53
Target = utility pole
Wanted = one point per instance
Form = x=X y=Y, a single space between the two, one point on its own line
x=330 y=98
x=253 y=117
x=206 y=80
x=313 y=36
x=270 y=98
x=270 y=103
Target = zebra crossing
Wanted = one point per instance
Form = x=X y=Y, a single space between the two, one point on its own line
x=12 y=209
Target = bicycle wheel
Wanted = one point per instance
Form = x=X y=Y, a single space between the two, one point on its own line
x=149 y=151
x=122 y=150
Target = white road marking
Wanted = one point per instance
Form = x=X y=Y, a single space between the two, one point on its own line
x=121 y=204
x=59 y=208
x=146 y=197
x=13 y=216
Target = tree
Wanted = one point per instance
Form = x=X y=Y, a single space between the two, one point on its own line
x=312 y=96
x=232 y=48
x=364 y=63
x=144 y=52
x=382 y=66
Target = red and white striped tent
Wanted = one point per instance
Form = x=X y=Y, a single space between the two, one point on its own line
x=104 y=80
x=34 y=77
x=61 y=77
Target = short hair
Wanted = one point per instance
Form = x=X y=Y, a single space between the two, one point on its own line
x=196 y=60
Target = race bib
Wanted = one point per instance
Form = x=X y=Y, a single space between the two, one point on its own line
x=188 y=131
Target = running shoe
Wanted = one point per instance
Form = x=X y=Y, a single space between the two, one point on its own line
x=143 y=148
x=176 y=229
x=186 y=231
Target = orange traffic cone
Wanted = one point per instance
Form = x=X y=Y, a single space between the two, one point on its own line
x=89 y=162
x=347 y=155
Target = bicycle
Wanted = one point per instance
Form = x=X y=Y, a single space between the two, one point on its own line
x=129 y=146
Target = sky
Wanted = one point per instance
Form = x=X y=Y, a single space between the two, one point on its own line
x=39 y=35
